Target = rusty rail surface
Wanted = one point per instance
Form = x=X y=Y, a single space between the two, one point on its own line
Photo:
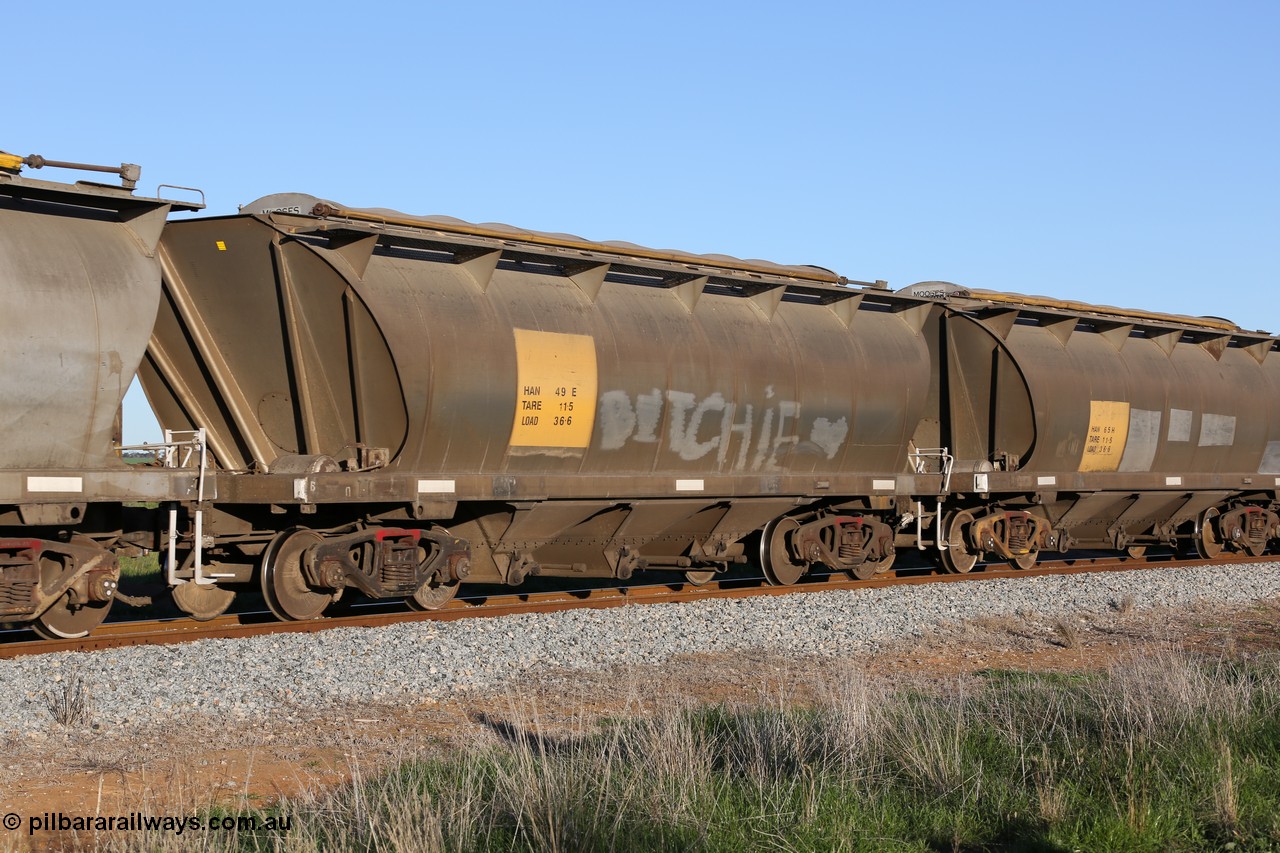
x=182 y=630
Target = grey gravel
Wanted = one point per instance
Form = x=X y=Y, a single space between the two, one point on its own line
x=284 y=675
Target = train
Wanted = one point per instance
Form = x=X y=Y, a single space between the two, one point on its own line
x=364 y=402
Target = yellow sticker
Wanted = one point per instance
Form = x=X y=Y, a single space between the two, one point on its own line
x=1108 y=433
x=555 y=389
x=222 y=247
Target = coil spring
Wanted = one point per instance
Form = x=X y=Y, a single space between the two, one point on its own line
x=1017 y=536
x=16 y=596
x=1256 y=528
x=398 y=576
x=851 y=552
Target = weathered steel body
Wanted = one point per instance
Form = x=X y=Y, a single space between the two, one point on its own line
x=550 y=405
x=364 y=401
x=81 y=284
x=472 y=358
x=533 y=396
x=1118 y=427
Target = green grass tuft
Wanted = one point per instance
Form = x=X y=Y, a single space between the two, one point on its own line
x=141 y=569
x=1165 y=753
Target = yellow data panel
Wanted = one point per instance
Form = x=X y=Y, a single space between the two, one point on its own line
x=1108 y=432
x=555 y=389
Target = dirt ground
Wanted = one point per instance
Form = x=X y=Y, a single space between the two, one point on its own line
x=181 y=770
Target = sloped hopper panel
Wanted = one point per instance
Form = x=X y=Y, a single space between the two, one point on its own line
x=989 y=402
x=265 y=341
x=80 y=286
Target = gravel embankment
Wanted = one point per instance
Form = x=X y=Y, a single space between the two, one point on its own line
x=277 y=676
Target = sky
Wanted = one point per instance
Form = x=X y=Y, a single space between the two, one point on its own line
x=1114 y=152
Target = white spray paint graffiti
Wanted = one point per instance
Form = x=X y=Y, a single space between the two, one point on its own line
x=696 y=427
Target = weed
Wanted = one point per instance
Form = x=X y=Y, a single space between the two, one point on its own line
x=141 y=569
x=1068 y=633
x=1163 y=752
x=69 y=701
x=1003 y=624
x=1224 y=794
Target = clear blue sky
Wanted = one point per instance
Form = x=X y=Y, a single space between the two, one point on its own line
x=1115 y=152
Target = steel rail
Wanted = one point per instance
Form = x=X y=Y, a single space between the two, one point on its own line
x=182 y=629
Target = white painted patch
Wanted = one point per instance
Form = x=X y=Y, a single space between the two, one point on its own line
x=1217 y=430
x=884 y=485
x=1143 y=440
x=436 y=487
x=740 y=436
x=1046 y=481
x=55 y=484
x=1271 y=459
x=980 y=483
x=829 y=435
x=300 y=488
x=617 y=419
x=689 y=485
x=1173 y=481
x=1179 y=425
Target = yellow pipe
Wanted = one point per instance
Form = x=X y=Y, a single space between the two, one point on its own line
x=10 y=162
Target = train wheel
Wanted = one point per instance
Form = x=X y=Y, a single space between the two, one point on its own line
x=1026 y=561
x=202 y=602
x=283 y=584
x=1136 y=551
x=433 y=596
x=1254 y=548
x=1207 y=543
x=958 y=559
x=68 y=621
x=775 y=557
x=700 y=578
x=866 y=571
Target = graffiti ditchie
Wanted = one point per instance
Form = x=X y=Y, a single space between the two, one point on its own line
x=744 y=437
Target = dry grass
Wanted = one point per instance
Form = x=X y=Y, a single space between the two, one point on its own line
x=1225 y=801
x=1162 y=751
x=1170 y=691
x=69 y=702
x=928 y=739
x=1068 y=633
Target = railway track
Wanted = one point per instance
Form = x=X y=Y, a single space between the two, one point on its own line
x=181 y=630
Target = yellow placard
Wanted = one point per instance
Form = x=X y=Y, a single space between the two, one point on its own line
x=1108 y=433
x=555 y=389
